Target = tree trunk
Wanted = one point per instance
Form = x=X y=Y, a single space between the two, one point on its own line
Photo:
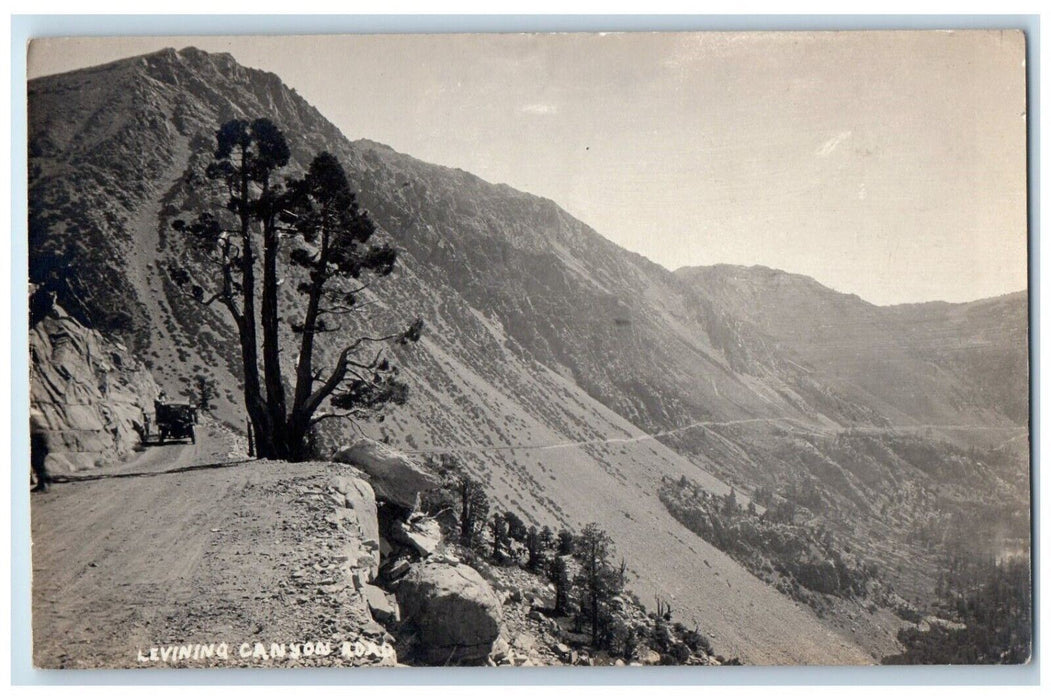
x=594 y=614
x=300 y=421
x=275 y=390
x=254 y=402
x=256 y=407
x=296 y=436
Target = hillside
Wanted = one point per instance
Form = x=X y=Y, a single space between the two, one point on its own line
x=89 y=394
x=920 y=364
x=549 y=353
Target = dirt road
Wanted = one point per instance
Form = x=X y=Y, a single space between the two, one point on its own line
x=183 y=546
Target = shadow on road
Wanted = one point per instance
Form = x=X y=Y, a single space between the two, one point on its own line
x=127 y=475
x=157 y=442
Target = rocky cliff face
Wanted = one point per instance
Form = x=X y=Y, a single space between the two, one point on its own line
x=88 y=394
x=549 y=351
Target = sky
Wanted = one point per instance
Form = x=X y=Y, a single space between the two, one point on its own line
x=891 y=165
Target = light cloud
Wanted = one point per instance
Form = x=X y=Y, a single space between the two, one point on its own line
x=828 y=146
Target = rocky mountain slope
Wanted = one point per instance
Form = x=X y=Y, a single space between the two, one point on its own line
x=550 y=353
x=88 y=393
x=920 y=364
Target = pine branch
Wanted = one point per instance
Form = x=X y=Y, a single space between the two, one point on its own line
x=339 y=372
x=354 y=413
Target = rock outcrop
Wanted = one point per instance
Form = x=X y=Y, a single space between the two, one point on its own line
x=455 y=614
x=355 y=514
x=354 y=517
x=87 y=394
x=442 y=611
x=395 y=476
x=423 y=535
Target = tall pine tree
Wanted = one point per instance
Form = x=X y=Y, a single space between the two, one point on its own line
x=320 y=216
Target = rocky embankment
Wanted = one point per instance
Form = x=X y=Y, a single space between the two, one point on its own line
x=441 y=611
x=447 y=604
x=88 y=393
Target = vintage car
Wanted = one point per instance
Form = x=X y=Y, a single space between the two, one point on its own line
x=175 y=421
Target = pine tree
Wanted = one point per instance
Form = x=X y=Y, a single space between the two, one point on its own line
x=565 y=542
x=730 y=504
x=516 y=528
x=474 y=509
x=501 y=540
x=597 y=581
x=247 y=155
x=336 y=252
x=203 y=392
x=536 y=547
x=559 y=575
x=320 y=215
x=547 y=538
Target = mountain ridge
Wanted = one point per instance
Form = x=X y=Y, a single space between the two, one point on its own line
x=686 y=270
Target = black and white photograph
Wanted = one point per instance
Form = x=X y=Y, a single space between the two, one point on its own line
x=505 y=350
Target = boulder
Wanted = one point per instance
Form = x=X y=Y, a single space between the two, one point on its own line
x=396 y=477
x=525 y=642
x=501 y=649
x=581 y=638
x=535 y=614
x=383 y=609
x=542 y=600
x=397 y=568
x=648 y=656
x=456 y=614
x=423 y=534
